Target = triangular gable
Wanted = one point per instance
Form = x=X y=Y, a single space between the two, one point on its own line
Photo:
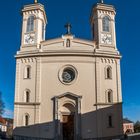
x=75 y=45
x=68 y=94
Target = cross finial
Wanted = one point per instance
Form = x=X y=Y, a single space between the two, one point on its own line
x=101 y=1
x=68 y=27
x=35 y=1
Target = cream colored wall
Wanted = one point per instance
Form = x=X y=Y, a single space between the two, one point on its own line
x=111 y=15
x=99 y=11
x=45 y=84
x=36 y=10
x=103 y=112
x=83 y=86
x=47 y=59
x=107 y=84
x=26 y=83
x=128 y=126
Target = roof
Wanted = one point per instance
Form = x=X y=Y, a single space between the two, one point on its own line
x=2 y=120
x=9 y=120
x=127 y=121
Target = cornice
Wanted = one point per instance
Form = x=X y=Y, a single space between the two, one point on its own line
x=106 y=7
x=106 y=104
x=27 y=104
x=68 y=53
x=75 y=40
x=33 y=7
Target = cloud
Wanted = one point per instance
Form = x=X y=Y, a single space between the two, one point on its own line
x=8 y=113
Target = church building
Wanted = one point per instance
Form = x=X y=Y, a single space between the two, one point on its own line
x=68 y=88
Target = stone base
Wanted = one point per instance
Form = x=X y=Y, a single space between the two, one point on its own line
x=33 y=138
x=29 y=138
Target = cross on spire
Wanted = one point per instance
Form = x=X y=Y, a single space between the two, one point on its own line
x=101 y=1
x=68 y=27
x=35 y=1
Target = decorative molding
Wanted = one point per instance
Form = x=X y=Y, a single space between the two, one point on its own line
x=106 y=104
x=58 y=113
x=24 y=103
x=66 y=94
x=28 y=60
x=68 y=53
x=108 y=60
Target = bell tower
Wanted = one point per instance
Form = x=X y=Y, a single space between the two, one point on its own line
x=33 y=26
x=103 y=26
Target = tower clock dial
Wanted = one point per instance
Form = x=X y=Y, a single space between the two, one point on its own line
x=29 y=39
x=106 y=39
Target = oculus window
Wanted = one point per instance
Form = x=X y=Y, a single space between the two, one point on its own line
x=67 y=74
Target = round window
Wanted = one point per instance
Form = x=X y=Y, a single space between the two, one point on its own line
x=67 y=74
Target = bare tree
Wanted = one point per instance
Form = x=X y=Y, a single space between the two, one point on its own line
x=137 y=127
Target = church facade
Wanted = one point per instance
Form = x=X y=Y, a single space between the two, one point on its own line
x=68 y=88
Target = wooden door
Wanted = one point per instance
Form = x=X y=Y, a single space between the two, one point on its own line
x=68 y=127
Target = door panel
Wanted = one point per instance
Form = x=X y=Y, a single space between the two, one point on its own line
x=68 y=127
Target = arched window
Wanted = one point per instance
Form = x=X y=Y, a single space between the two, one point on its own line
x=110 y=123
x=109 y=96
x=27 y=96
x=27 y=72
x=26 y=119
x=106 y=24
x=68 y=43
x=108 y=72
x=30 y=24
x=43 y=29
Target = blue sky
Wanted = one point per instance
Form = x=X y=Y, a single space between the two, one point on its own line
x=77 y=12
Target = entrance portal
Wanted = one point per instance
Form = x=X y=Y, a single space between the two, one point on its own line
x=67 y=116
x=68 y=127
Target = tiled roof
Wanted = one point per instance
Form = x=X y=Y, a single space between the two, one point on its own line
x=2 y=120
x=127 y=121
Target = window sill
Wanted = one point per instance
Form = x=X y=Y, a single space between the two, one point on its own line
x=26 y=78
x=30 y=32
x=108 y=78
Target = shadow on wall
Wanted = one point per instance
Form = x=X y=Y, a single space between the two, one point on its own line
x=102 y=124
x=135 y=136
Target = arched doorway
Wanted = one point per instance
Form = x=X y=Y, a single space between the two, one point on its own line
x=68 y=121
x=67 y=114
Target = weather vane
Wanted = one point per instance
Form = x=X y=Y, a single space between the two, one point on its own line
x=35 y=1
x=68 y=27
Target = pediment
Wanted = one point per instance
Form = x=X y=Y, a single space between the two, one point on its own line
x=68 y=94
x=61 y=45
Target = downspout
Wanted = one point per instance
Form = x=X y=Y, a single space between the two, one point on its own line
x=96 y=92
x=35 y=90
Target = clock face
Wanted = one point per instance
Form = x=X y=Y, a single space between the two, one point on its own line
x=29 y=39
x=106 y=39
